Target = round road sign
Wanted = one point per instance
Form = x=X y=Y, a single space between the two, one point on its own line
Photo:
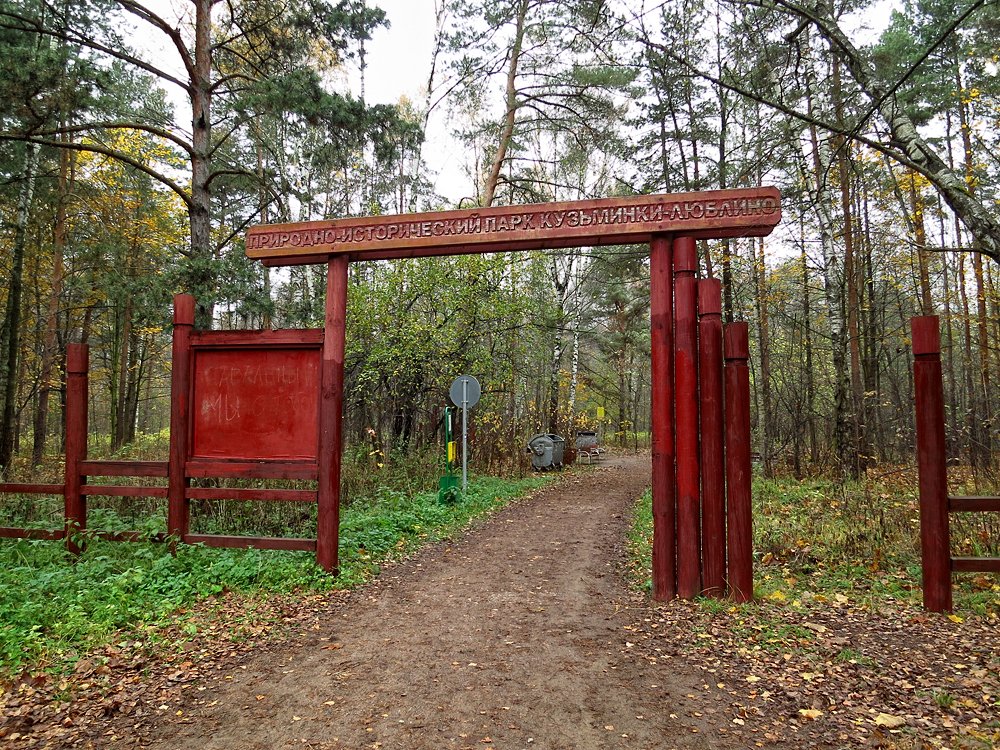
x=465 y=391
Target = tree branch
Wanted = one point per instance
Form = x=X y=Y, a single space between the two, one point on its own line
x=109 y=152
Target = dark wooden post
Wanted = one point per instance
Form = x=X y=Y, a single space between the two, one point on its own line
x=738 y=466
x=180 y=416
x=713 y=485
x=75 y=504
x=935 y=542
x=331 y=415
x=662 y=397
x=686 y=414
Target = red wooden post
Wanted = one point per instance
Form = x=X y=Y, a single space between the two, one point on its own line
x=662 y=396
x=75 y=504
x=180 y=416
x=935 y=542
x=738 y=468
x=713 y=486
x=686 y=414
x=331 y=415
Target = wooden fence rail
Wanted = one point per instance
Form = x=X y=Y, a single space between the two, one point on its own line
x=80 y=471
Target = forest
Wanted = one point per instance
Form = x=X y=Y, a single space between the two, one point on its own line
x=139 y=141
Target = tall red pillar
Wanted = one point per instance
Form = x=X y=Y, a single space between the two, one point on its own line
x=686 y=415
x=75 y=504
x=331 y=415
x=662 y=398
x=180 y=416
x=935 y=541
x=713 y=485
x=736 y=347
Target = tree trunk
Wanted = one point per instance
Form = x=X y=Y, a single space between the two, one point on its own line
x=982 y=397
x=920 y=240
x=11 y=338
x=810 y=416
x=50 y=343
x=832 y=283
x=118 y=435
x=200 y=274
x=764 y=333
x=507 y=132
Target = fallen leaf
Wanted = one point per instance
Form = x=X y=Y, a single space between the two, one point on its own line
x=810 y=713
x=889 y=721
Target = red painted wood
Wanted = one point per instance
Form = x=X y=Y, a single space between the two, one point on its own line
x=964 y=504
x=331 y=415
x=745 y=212
x=232 y=493
x=124 y=468
x=925 y=335
x=180 y=414
x=245 y=542
x=686 y=415
x=975 y=564
x=713 y=485
x=252 y=470
x=32 y=489
x=109 y=490
x=739 y=515
x=935 y=544
x=662 y=396
x=74 y=502
x=285 y=337
x=7 y=532
x=256 y=403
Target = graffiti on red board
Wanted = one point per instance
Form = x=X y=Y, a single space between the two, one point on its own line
x=256 y=403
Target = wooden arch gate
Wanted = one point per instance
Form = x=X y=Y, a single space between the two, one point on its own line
x=689 y=535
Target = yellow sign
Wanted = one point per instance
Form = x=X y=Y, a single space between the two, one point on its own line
x=452 y=450
x=600 y=412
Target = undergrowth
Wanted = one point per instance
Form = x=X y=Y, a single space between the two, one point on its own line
x=822 y=540
x=53 y=608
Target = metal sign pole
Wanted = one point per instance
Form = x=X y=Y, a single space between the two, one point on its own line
x=465 y=444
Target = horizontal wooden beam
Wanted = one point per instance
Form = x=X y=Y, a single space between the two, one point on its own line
x=245 y=542
x=251 y=469
x=975 y=564
x=969 y=503
x=604 y=221
x=29 y=488
x=123 y=468
x=6 y=532
x=109 y=490
x=302 y=337
x=233 y=493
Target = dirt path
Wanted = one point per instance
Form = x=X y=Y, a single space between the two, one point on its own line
x=514 y=636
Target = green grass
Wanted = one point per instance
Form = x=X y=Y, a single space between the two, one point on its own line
x=818 y=539
x=53 y=608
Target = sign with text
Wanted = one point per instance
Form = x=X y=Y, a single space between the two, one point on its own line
x=605 y=221
x=256 y=403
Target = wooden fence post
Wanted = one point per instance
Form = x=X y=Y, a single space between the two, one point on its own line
x=935 y=543
x=180 y=416
x=738 y=462
x=713 y=485
x=686 y=416
x=331 y=415
x=662 y=397
x=74 y=502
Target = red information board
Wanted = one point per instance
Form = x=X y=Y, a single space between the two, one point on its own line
x=256 y=403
